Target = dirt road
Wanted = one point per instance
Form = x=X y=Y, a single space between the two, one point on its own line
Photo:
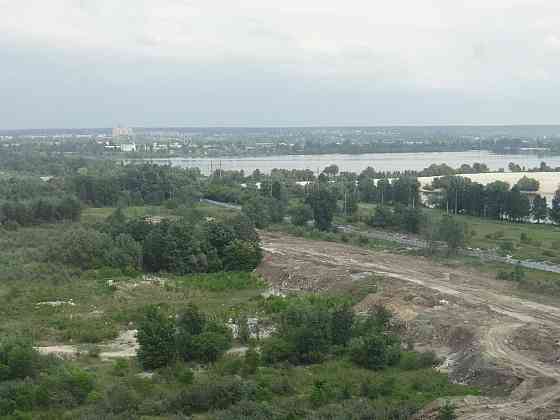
x=443 y=303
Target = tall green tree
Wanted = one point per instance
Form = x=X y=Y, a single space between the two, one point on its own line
x=300 y=214
x=496 y=199
x=518 y=206
x=452 y=232
x=341 y=325
x=323 y=204
x=528 y=184
x=555 y=210
x=539 y=209
x=156 y=338
x=257 y=210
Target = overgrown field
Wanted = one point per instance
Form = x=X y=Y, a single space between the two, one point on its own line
x=54 y=304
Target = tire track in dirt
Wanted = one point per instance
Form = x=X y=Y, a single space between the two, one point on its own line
x=465 y=285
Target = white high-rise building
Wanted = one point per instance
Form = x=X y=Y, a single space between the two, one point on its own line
x=122 y=132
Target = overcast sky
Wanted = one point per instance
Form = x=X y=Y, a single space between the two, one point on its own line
x=98 y=63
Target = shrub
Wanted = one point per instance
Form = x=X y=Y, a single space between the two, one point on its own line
x=447 y=412
x=300 y=214
x=413 y=360
x=210 y=345
x=495 y=235
x=375 y=351
x=228 y=365
x=506 y=246
x=120 y=398
x=251 y=361
x=179 y=372
x=18 y=359
x=156 y=337
x=242 y=256
x=275 y=350
x=120 y=367
x=65 y=387
x=16 y=395
x=322 y=393
x=382 y=217
x=250 y=410
x=219 y=393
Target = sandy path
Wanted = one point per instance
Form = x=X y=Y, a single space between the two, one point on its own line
x=463 y=284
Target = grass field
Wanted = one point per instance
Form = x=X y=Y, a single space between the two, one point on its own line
x=527 y=241
x=98 y=214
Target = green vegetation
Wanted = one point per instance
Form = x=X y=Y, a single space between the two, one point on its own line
x=153 y=259
x=529 y=241
x=528 y=184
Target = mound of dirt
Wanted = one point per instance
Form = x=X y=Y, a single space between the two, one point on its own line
x=470 y=367
x=540 y=342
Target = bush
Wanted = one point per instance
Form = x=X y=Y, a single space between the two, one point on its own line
x=518 y=274
x=495 y=235
x=16 y=395
x=65 y=387
x=300 y=214
x=250 y=410
x=18 y=359
x=506 y=246
x=198 y=339
x=251 y=361
x=447 y=412
x=228 y=365
x=375 y=351
x=219 y=393
x=276 y=350
x=83 y=247
x=156 y=338
x=322 y=393
x=242 y=256
x=413 y=360
x=210 y=345
x=120 y=398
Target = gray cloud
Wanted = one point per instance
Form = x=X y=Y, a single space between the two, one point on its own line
x=258 y=62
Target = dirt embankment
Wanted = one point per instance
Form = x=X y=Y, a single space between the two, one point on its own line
x=505 y=344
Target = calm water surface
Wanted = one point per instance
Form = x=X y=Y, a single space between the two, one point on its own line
x=357 y=163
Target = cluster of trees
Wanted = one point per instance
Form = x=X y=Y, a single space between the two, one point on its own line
x=21 y=188
x=41 y=210
x=191 y=336
x=90 y=248
x=30 y=381
x=31 y=160
x=406 y=219
x=404 y=190
x=311 y=330
x=178 y=246
x=495 y=200
x=266 y=205
x=137 y=185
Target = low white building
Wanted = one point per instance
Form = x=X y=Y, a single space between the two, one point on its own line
x=128 y=147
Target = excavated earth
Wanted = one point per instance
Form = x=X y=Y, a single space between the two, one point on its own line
x=507 y=345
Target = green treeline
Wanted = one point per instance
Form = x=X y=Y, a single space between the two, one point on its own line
x=180 y=246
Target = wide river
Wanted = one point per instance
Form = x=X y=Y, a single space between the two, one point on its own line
x=357 y=163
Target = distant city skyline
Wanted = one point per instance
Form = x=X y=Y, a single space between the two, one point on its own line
x=257 y=63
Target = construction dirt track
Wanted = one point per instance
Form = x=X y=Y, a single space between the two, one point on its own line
x=507 y=345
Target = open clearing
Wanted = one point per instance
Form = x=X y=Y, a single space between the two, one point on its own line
x=488 y=336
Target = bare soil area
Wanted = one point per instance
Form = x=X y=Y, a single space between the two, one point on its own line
x=505 y=344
